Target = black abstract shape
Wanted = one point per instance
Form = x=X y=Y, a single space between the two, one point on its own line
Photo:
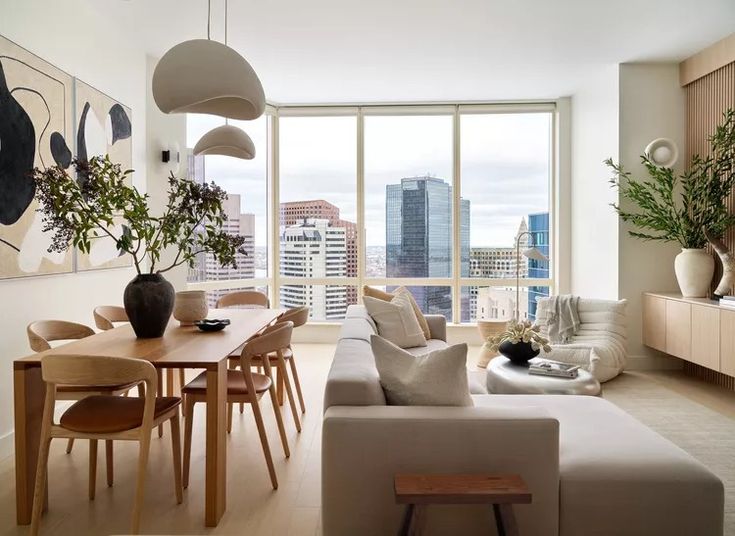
x=126 y=231
x=59 y=150
x=17 y=150
x=121 y=128
x=82 y=173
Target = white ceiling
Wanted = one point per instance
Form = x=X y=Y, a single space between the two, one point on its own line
x=433 y=50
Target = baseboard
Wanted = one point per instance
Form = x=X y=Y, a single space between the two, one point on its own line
x=647 y=362
x=7 y=446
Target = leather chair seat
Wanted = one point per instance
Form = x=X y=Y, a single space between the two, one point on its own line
x=235 y=383
x=103 y=414
x=287 y=353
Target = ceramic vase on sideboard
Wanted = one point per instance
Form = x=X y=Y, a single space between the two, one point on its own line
x=694 y=269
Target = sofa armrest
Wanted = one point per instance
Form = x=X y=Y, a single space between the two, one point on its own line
x=364 y=447
x=437 y=326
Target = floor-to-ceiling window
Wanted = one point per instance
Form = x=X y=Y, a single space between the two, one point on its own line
x=437 y=198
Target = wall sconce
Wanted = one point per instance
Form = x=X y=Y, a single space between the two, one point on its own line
x=172 y=157
x=662 y=152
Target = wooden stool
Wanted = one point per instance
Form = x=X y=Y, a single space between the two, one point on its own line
x=502 y=491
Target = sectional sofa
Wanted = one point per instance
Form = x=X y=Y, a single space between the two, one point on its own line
x=592 y=468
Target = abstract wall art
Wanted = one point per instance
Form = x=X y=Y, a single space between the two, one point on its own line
x=36 y=130
x=103 y=126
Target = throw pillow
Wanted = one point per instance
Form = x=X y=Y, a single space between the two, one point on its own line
x=387 y=296
x=438 y=378
x=396 y=321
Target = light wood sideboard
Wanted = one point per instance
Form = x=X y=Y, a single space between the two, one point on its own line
x=698 y=330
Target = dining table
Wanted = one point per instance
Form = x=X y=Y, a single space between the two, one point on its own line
x=180 y=347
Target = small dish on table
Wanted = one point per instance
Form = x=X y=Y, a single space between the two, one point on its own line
x=213 y=324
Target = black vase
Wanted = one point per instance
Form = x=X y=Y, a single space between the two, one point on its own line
x=519 y=353
x=149 y=301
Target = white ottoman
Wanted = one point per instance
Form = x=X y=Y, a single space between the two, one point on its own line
x=505 y=378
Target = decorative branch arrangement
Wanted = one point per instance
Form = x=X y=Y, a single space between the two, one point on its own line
x=701 y=209
x=80 y=213
x=517 y=332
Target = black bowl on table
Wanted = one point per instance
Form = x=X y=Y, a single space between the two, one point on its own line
x=213 y=324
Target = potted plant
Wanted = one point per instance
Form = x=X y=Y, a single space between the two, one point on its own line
x=520 y=342
x=79 y=212
x=686 y=208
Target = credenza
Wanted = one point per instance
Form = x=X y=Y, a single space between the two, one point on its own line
x=698 y=330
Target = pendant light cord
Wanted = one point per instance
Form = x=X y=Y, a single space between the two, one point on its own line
x=209 y=18
x=227 y=120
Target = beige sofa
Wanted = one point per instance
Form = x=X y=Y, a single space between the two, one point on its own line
x=593 y=470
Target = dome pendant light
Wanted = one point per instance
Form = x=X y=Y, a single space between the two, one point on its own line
x=226 y=140
x=207 y=77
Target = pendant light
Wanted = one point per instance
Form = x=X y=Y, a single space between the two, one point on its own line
x=207 y=77
x=226 y=140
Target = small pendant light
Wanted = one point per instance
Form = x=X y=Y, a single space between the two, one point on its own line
x=207 y=77
x=226 y=140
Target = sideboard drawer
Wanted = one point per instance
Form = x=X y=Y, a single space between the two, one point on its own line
x=679 y=329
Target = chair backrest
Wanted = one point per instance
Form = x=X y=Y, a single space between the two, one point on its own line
x=89 y=370
x=42 y=332
x=298 y=315
x=106 y=315
x=244 y=297
x=274 y=338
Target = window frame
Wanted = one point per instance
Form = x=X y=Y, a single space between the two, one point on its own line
x=274 y=280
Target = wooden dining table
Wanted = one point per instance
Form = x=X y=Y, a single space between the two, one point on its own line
x=181 y=347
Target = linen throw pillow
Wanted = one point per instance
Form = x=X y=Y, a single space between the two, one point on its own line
x=388 y=296
x=438 y=378
x=396 y=321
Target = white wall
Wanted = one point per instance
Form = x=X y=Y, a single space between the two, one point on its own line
x=652 y=105
x=594 y=228
x=77 y=37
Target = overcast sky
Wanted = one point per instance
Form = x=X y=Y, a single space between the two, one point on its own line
x=505 y=166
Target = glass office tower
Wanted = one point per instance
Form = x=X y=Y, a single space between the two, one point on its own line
x=538 y=226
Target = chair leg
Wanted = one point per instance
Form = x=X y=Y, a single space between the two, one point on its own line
x=145 y=444
x=188 y=425
x=229 y=417
x=279 y=421
x=39 y=491
x=159 y=392
x=297 y=383
x=289 y=392
x=182 y=384
x=92 y=468
x=109 y=463
x=69 y=445
x=264 y=441
x=176 y=448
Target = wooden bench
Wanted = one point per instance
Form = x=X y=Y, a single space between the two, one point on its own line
x=501 y=491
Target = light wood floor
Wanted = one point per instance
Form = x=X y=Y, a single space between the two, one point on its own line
x=253 y=508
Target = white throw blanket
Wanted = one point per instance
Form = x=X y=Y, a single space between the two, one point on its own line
x=563 y=320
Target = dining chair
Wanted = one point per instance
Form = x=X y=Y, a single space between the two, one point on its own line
x=244 y=386
x=105 y=318
x=105 y=418
x=40 y=336
x=250 y=299
x=298 y=316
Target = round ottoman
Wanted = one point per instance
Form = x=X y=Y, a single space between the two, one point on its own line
x=503 y=377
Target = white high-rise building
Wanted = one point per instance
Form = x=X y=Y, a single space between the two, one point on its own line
x=314 y=249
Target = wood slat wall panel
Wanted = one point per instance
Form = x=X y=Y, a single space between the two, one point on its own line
x=707 y=99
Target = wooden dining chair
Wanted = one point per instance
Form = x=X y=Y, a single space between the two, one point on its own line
x=246 y=299
x=105 y=318
x=40 y=336
x=244 y=386
x=105 y=418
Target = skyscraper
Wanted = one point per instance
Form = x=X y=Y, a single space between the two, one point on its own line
x=314 y=248
x=538 y=226
x=419 y=237
x=295 y=212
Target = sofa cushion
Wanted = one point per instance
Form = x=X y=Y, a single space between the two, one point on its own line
x=396 y=320
x=353 y=379
x=388 y=296
x=437 y=378
x=610 y=463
